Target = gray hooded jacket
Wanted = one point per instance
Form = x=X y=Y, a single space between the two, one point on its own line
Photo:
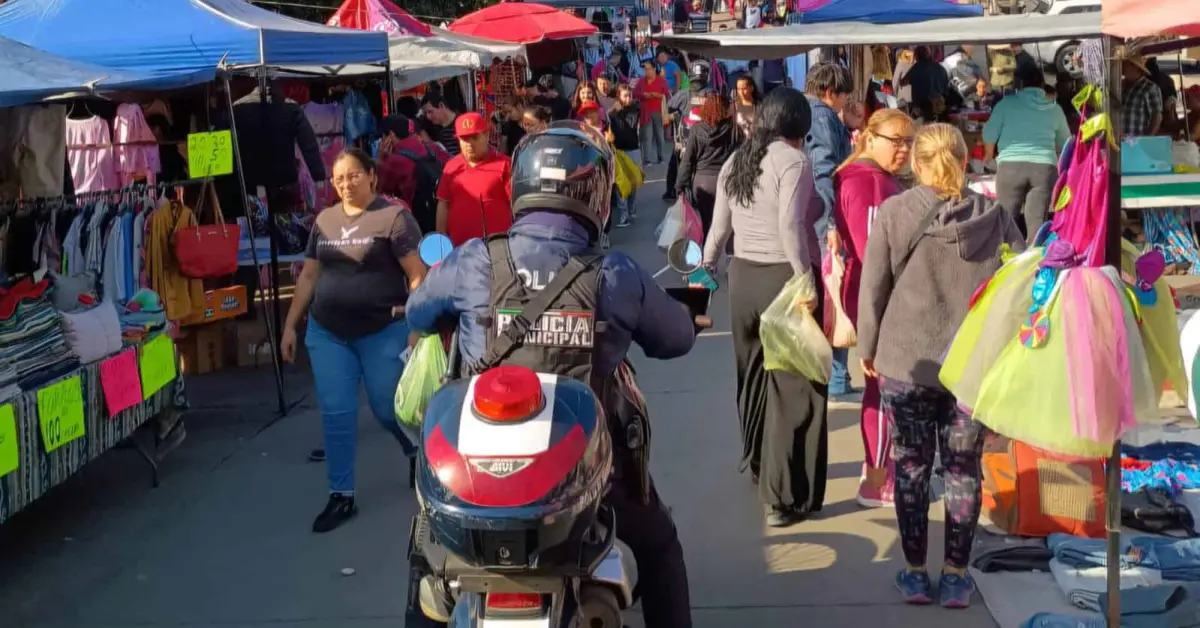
x=906 y=322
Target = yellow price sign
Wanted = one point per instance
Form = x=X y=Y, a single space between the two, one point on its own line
x=60 y=412
x=210 y=154
x=156 y=364
x=10 y=453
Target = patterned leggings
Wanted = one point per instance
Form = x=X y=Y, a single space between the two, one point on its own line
x=923 y=421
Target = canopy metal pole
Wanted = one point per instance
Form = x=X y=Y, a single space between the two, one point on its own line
x=275 y=330
x=240 y=174
x=1112 y=257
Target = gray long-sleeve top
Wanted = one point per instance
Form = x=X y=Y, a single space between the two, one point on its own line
x=778 y=225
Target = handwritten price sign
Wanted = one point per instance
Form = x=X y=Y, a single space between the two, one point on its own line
x=157 y=364
x=60 y=412
x=10 y=455
x=119 y=379
x=210 y=154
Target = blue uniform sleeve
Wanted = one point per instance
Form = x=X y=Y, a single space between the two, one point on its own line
x=436 y=296
x=660 y=325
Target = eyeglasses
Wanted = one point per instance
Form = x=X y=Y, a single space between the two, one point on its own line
x=352 y=178
x=898 y=142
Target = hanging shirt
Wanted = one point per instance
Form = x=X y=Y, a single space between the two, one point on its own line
x=136 y=148
x=90 y=152
x=359 y=120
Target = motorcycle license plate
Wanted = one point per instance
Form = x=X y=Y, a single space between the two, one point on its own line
x=531 y=622
x=505 y=549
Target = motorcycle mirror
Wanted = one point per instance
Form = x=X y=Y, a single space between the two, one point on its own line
x=685 y=256
x=434 y=248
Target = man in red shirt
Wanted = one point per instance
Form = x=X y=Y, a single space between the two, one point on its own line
x=474 y=199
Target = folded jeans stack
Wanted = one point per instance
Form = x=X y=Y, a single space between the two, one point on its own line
x=1162 y=606
x=1176 y=559
x=1084 y=586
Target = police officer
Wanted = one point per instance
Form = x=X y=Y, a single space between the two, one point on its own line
x=683 y=108
x=541 y=296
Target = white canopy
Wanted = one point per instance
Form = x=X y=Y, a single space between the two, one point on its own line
x=785 y=41
x=417 y=60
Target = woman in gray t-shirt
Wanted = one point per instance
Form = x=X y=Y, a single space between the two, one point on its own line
x=361 y=265
x=766 y=202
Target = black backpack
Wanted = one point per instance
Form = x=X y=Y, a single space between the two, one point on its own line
x=429 y=174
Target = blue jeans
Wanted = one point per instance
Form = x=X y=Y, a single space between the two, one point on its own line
x=839 y=378
x=339 y=365
x=654 y=141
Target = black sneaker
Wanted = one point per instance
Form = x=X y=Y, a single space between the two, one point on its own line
x=316 y=455
x=338 y=510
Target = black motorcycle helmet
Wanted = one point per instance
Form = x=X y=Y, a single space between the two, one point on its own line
x=567 y=168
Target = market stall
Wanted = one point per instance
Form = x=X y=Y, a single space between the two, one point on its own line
x=207 y=40
x=1063 y=469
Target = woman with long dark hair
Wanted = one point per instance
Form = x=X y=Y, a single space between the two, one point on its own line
x=710 y=143
x=765 y=201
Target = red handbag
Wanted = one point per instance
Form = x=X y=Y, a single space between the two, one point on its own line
x=205 y=251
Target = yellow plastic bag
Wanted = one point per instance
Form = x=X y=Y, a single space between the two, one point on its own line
x=629 y=176
x=792 y=339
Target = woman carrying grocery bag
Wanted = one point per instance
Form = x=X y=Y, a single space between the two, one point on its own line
x=765 y=201
x=930 y=248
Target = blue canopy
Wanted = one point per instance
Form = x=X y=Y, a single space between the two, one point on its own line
x=888 y=11
x=28 y=75
x=185 y=39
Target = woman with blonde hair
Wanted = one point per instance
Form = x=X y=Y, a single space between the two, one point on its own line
x=930 y=248
x=861 y=184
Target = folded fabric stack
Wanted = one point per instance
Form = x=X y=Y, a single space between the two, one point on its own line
x=1084 y=586
x=32 y=348
x=142 y=316
x=1163 y=606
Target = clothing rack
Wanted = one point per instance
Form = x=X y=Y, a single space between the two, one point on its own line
x=118 y=144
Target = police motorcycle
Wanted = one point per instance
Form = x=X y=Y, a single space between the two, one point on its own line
x=514 y=465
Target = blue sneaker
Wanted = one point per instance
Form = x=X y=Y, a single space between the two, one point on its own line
x=955 y=591
x=914 y=586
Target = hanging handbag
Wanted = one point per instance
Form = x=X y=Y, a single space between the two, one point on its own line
x=205 y=251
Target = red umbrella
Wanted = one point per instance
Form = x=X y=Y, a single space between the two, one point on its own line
x=378 y=15
x=1140 y=18
x=522 y=23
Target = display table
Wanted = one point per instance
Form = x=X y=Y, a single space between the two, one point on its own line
x=1137 y=192
x=40 y=471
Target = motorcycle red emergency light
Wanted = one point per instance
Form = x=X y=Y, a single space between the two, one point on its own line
x=514 y=601
x=508 y=393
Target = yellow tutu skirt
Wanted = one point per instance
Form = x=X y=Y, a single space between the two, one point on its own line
x=1084 y=383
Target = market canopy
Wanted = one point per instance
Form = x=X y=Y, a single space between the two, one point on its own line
x=378 y=15
x=417 y=60
x=185 y=38
x=883 y=11
x=522 y=23
x=29 y=75
x=1141 y=18
x=785 y=41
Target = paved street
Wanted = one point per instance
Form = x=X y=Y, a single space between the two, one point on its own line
x=225 y=541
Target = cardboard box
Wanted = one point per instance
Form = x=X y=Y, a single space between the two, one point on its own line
x=220 y=304
x=253 y=344
x=202 y=349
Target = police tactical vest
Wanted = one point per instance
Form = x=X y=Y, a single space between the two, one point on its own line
x=552 y=330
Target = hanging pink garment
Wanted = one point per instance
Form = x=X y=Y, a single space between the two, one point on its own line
x=136 y=148
x=90 y=153
x=326 y=121
x=1082 y=220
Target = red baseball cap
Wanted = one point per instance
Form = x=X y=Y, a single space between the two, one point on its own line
x=470 y=123
x=588 y=106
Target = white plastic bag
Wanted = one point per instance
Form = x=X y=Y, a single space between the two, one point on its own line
x=792 y=339
x=673 y=225
x=838 y=327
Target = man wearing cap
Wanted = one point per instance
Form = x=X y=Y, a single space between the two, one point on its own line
x=1143 y=110
x=473 y=195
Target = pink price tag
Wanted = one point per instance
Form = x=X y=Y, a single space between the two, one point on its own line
x=120 y=381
